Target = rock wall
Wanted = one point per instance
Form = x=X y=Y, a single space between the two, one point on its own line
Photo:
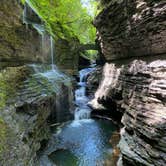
x=28 y=104
x=18 y=42
x=132 y=35
x=67 y=55
x=132 y=28
x=137 y=89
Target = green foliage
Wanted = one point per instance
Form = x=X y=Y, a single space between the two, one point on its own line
x=67 y=18
x=3 y=133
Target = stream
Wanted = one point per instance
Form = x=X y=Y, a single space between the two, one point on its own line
x=82 y=141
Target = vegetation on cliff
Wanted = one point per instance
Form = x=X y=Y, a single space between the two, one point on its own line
x=62 y=18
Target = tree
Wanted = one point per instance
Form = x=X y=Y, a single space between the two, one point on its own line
x=67 y=18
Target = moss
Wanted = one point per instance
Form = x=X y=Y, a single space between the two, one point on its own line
x=11 y=80
x=3 y=135
x=3 y=95
x=10 y=41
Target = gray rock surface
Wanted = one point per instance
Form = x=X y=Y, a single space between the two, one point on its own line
x=139 y=89
x=17 y=41
x=27 y=101
x=132 y=28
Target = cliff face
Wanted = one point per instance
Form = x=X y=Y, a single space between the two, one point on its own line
x=133 y=34
x=28 y=100
x=138 y=90
x=67 y=55
x=145 y=114
x=132 y=28
x=30 y=95
x=17 y=41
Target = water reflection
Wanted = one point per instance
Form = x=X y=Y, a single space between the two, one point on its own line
x=82 y=143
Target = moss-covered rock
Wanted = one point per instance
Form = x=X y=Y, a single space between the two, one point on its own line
x=27 y=100
x=17 y=41
x=67 y=55
x=3 y=133
x=131 y=28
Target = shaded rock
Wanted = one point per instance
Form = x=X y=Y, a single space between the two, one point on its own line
x=132 y=28
x=18 y=42
x=67 y=55
x=83 y=62
x=93 y=80
x=138 y=89
x=28 y=101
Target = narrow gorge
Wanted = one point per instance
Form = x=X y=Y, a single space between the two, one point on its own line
x=83 y=83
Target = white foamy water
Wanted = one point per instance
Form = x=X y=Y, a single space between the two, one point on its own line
x=82 y=111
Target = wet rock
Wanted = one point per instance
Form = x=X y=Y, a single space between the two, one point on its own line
x=18 y=41
x=93 y=80
x=27 y=101
x=139 y=90
x=108 y=85
x=67 y=55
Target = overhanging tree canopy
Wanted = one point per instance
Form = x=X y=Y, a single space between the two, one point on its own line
x=66 y=18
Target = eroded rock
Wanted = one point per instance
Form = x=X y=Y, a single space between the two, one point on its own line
x=18 y=41
x=132 y=28
x=139 y=89
x=27 y=101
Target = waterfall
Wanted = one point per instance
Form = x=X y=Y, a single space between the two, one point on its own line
x=82 y=111
x=55 y=80
x=25 y=21
x=40 y=29
x=52 y=52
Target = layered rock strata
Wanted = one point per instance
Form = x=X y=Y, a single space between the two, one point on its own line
x=139 y=90
x=132 y=28
x=129 y=30
x=17 y=41
x=27 y=101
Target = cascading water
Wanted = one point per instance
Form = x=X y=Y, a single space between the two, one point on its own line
x=82 y=111
x=25 y=17
x=82 y=141
x=56 y=80
x=52 y=52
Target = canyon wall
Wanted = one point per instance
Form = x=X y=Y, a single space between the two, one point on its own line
x=132 y=38
x=29 y=100
x=132 y=28
x=24 y=39
x=29 y=103
x=138 y=90
x=18 y=42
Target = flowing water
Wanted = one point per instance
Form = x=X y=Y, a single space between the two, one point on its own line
x=82 y=141
x=52 y=52
x=79 y=142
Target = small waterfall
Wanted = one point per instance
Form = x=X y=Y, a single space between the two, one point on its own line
x=54 y=80
x=82 y=111
x=25 y=21
x=52 y=52
x=27 y=12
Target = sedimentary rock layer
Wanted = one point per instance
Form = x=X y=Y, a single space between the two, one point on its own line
x=27 y=101
x=17 y=41
x=131 y=28
x=138 y=89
